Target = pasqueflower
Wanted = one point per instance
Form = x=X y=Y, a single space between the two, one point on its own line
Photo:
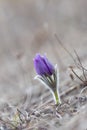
x=47 y=73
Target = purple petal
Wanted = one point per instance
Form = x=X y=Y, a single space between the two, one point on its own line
x=49 y=66
x=43 y=66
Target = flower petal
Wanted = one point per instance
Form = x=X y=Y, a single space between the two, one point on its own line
x=43 y=66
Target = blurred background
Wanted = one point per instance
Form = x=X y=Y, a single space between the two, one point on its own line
x=27 y=27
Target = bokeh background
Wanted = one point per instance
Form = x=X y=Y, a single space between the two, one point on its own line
x=27 y=27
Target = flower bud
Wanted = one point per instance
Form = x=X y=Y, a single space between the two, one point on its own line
x=43 y=65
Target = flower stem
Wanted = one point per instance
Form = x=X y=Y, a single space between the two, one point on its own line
x=57 y=97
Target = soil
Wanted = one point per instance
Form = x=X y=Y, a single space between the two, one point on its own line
x=27 y=28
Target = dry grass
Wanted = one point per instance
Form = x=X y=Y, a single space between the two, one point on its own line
x=28 y=27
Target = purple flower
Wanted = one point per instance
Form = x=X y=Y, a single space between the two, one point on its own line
x=43 y=66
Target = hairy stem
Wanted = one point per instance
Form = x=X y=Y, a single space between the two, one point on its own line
x=57 y=97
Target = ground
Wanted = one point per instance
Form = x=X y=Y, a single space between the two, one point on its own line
x=27 y=28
